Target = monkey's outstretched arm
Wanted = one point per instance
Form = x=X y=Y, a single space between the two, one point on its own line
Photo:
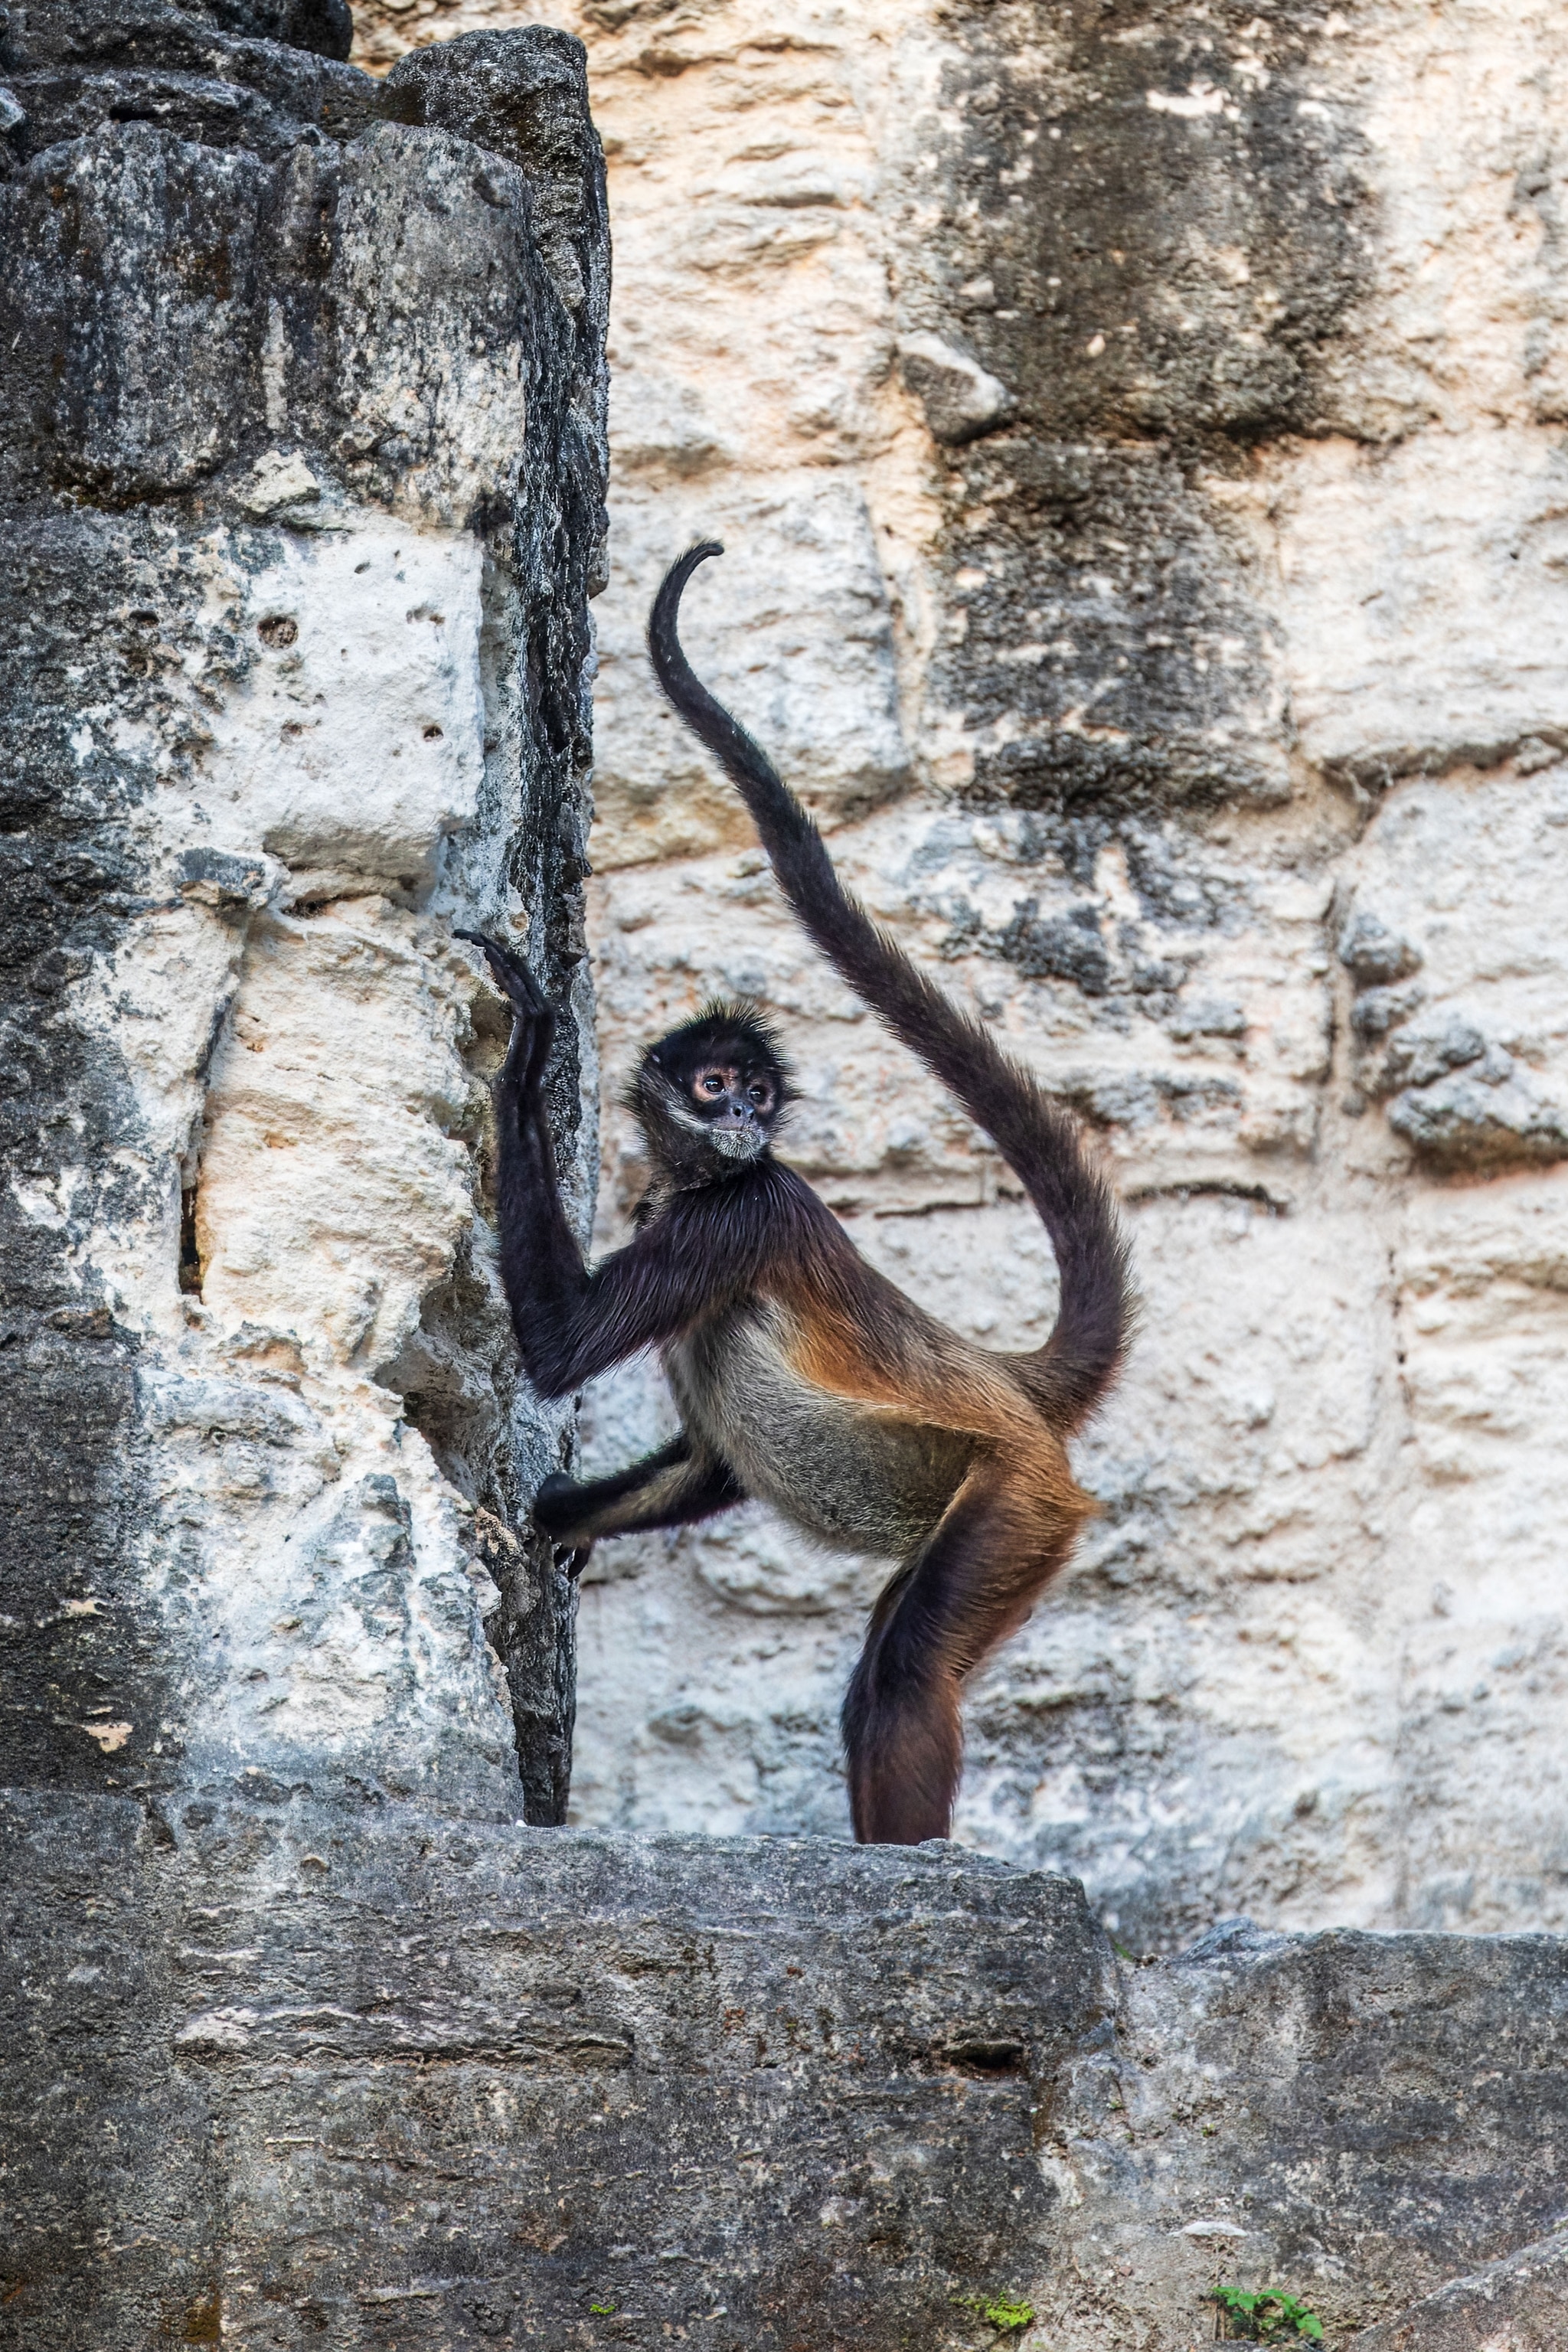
x=1035 y=1135
x=543 y=1269
x=708 y=1249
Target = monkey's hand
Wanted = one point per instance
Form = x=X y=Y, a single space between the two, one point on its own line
x=532 y=1015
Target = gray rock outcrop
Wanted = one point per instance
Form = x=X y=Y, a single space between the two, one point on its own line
x=302 y=467
x=277 y=2077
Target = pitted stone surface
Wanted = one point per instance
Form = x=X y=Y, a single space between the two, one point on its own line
x=283 y=2069
x=438 y=2084
x=1516 y=2304
x=1353 y=2119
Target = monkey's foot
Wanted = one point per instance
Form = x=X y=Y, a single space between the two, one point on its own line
x=552 y=1505
x=554 y=1508
x=512 y=975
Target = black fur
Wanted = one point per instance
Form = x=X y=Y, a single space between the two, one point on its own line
x=671 y=1488
x=711 y=1243
x=723 y=1028
x=708 y=1097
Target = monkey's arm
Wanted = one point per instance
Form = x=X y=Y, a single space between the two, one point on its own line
x=1036 y=1137
x=571 y=1324
x=543 y=1271
x=708 y=1248
x=671 y=1488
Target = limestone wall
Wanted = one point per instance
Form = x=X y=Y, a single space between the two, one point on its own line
x=1137 y=432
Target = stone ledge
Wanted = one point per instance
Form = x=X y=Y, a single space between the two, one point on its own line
x=306 y=2072
x=1519 y=2305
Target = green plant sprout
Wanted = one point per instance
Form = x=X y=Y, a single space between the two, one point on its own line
x=1005 y=2311
x=602 y=2310
x=1269 y=2316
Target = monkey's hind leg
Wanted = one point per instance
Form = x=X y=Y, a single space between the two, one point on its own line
x=1000 y=1542
x=670 y=1488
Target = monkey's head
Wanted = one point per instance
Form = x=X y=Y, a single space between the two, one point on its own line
x=709 y=1096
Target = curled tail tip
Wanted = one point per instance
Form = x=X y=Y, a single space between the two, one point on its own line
x=679 y=573
x=674 y=673
x=663 y=635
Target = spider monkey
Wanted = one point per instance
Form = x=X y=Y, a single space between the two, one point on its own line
x=803 y=1377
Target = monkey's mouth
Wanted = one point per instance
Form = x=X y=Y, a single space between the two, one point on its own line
x=737 y=1142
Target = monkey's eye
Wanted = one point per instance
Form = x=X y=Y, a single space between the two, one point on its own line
x=761 y=1095
x=711 y=1083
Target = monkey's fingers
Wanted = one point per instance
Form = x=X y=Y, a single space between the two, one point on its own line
x=555 y=1506
x=512 y=975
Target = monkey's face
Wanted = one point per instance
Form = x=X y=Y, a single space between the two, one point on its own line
x=738 y=1101
x=711 y=1095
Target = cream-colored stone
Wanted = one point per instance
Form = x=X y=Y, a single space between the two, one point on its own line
x=279 y=480
x=791 y=625
x=356 y=739
x=1452 y=923
x=340 y=1054
x=298 y=1060
x=1424 y=597
x=1458 y=108
x=1484 y=1298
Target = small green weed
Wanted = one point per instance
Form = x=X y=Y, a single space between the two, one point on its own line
x=602 y=2310
x=1266 y=2317
x=997 y=2310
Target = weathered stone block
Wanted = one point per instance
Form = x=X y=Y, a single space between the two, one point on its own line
x=279 y=2070
x=433 y=2084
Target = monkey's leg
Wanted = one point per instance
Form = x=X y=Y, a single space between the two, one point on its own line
x=670 y=1488
x=998 y=1545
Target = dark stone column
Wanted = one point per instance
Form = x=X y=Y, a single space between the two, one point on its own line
x=261 y=316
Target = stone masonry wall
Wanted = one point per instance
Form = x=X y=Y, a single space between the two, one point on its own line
x=306 y=2035
x=1137 y=432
